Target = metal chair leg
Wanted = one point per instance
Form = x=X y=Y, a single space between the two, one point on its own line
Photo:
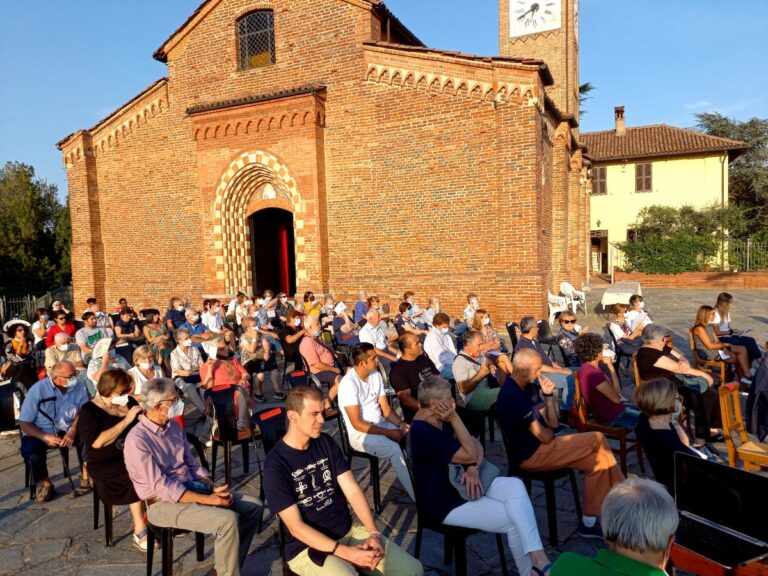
x=200 y=546
x=214 y=453
x=227 y=462
x=375 y=480
x=460 y=555
x=575 y=490
x=419 y=535
x=549 y=490
x=95 y=509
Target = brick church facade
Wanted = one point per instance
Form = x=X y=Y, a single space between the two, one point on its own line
x=340 y=154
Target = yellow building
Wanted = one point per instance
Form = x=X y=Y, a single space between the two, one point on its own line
x=633 y=168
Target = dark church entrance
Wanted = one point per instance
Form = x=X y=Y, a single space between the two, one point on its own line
x=272 y=251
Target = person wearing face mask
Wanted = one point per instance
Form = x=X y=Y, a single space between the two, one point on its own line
x=213 y=317
x=144 y=368
x=257 y=358
x=405 y=322
x=319 y=358
x=439 y=345
x=103 y=425
x=63 y=349
x=290 y=338
x=481 y=322
x=20 y=353
x=636 y=315
x=433 y=308
x=40 y=327
x=282 y=308
x=175 y=317
x=658 y=430
x=179 y=492
x=48 y=419
x=472 y=307
x=311 y=304
x=104 y=358
x=62 y=324
x=102 y=320
x=222 y=372
x=185 y=359
x=198 y=331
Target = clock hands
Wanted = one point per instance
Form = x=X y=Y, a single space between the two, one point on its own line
x=532 y=11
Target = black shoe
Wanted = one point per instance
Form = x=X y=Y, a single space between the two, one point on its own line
x=595 y=531
x=278 y=396
x=259 y=399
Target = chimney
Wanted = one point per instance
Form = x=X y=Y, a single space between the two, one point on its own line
x=621 y=129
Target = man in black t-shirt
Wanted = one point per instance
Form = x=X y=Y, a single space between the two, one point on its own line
x=408 y=372
x=308 y=483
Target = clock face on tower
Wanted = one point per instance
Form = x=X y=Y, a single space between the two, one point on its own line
x=533 y=17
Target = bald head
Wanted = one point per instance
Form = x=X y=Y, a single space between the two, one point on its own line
x=526 y=366
x=61 y=339
x=373 y=316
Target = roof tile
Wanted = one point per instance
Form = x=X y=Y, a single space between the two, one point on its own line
x=655 y=141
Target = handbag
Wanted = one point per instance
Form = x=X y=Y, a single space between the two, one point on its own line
x=695 y=383
x=488 y=473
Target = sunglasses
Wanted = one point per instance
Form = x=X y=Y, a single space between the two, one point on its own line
x=569 y=321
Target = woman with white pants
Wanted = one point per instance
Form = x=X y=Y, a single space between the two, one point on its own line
x=437 y=438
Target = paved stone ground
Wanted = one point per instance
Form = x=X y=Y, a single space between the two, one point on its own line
x=58 y=537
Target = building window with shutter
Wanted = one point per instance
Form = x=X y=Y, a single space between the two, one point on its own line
x=643 y=181
x=599 y=182
x=256 y=39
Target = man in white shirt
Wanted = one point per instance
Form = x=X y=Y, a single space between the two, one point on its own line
x=439 y=345
x=89 y=334
x=372 y=425
x=212 y=317
x=472 y=306
x=373 y=333
x=234 y=303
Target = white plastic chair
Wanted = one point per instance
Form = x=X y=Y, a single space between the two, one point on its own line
x=556 y=304
x=573 y=297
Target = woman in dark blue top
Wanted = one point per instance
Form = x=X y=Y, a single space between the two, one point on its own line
x=438 y=438
x=658 y=431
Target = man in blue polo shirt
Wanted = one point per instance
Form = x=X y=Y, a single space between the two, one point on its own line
x=198 y=332
x=48 y=419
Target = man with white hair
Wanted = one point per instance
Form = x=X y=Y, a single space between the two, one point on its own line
x=361 y=307
x=319 y=358
x=639 y=524
x=63 y=349
x=178 y=492
x=198 y=332
x=532 y=445
x=375 y=334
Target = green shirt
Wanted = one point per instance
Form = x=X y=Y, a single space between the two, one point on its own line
x=606 y=563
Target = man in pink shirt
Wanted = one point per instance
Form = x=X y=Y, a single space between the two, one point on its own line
x=318 y=357
x=178 y=491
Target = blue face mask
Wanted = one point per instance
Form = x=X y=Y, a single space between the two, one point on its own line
x=410 y=312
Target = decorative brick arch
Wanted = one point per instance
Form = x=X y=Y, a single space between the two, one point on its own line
x=249 y=173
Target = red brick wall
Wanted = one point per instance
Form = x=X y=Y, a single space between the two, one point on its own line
x=402 y=183
x=699 y=280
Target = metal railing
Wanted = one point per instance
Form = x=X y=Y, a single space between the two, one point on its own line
x=747 y=255
x=24 y=306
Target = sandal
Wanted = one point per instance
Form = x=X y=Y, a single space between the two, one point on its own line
x=140 y=541
x=542 y=571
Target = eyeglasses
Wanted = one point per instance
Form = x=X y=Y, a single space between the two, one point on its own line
x=569 y=321
x=171 y=401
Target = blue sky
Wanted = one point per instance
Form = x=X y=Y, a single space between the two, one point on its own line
x=66 y=65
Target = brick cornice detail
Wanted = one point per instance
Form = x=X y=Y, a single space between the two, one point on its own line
x=300 y=111
x=121 y=125
x=481 y=81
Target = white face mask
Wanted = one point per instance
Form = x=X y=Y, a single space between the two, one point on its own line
x=194 y=318
x=180 y=308
x=260 y=301
x=486 y=321
x=121 y=400
x=187 y=342
x=72 y=382
x=642 y=305
x=444 y=331
x=176 y=409
x=148 y=365
x=63 y=347
x=316 y=333
x=473 y=303
x=216 y=310
x=297 y=322
x=283 y=299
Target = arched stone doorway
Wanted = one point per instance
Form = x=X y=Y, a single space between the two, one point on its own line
x=272 y=251
x=255 y=182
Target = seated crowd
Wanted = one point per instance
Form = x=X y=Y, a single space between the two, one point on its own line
x=139 y=395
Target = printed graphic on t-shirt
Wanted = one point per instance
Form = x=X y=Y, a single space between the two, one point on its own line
x=314 y=485
x=93 y=338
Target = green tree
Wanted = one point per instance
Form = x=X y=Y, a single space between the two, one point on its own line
x=748 y=175
x=584 y=91
x=30 y=259
x=672 y=240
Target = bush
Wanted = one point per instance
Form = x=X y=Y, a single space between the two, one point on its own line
x=680 y=252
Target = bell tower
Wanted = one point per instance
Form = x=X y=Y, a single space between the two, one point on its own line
x=547 y=30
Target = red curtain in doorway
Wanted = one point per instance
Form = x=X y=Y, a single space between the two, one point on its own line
x=282 y=232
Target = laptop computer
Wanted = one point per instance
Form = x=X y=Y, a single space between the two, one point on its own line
x=722 y=510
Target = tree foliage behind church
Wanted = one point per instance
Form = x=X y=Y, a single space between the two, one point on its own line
x=34 y=233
